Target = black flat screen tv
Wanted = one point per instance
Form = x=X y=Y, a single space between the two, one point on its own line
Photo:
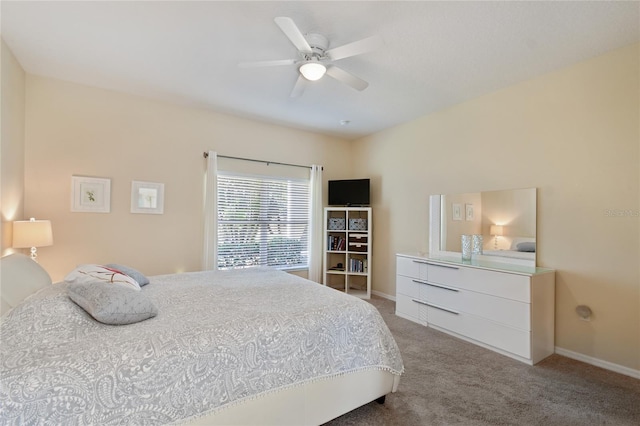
x=351 y=192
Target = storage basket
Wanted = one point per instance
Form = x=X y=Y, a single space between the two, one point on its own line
x=357 y=224
x=358 y=238
x=362 y=248
x=336 y=224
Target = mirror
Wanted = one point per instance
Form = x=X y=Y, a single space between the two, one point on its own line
x=506 y=220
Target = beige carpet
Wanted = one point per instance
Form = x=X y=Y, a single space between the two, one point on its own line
x=451 y=382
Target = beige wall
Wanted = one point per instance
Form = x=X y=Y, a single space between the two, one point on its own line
x=77 y=130
x=573 y=134
x=12 y=149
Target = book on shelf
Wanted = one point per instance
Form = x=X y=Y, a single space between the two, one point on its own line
x=336 y=243
x=357 y=265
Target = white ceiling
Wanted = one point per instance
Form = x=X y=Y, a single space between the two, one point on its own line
x=435 y=53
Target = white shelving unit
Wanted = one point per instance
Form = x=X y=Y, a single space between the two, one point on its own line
x=347 y=250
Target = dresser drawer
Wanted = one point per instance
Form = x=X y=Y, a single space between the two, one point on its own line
x=409 y=286
x=407 y=308
x=506 y=285
x=498 y=309
x=411 y=267
x=509 y=339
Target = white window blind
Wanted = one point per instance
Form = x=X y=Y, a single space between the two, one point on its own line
x=262 y=221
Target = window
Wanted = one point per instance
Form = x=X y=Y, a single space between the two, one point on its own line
x=262 y=221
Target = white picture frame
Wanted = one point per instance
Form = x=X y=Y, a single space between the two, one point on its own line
x=147 y=197
x=456 y=211
x=468 y=209
x=90 y=194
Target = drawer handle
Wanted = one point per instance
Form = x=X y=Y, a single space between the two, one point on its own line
x=421 y=261
x=444 y=287
x=431 y=305
x=442 y=308
x=442 y=265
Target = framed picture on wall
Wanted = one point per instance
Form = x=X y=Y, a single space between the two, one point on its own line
x=456 y=211
x=468 y=208
x=147 y=197
x=90 y=194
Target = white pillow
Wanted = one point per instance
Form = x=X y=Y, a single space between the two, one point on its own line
x=112 y=304
x=133 y=273
x=21 y=277
x=85 y=274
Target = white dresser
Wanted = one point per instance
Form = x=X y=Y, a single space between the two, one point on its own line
x=507 y=308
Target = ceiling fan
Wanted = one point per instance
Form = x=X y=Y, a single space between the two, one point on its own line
x=315 y=57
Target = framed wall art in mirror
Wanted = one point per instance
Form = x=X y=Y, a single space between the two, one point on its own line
x=505 y=219
x=456 y=212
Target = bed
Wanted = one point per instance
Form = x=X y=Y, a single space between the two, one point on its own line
x=512 y=254
x=523 y=248
x=254 y=346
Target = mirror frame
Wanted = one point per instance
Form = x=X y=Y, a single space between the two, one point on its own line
x=435 y=216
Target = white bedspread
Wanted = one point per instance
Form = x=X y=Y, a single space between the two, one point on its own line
x=513 y=254
x=219 y=338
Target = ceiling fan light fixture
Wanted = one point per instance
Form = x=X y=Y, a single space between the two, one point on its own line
x=313 y=71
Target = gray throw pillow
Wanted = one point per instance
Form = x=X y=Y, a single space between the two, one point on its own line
x=133 y=273
x=528 y=246
x=112 y=304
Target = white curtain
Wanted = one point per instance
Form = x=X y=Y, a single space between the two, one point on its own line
x=315 y=218
x=210 y=249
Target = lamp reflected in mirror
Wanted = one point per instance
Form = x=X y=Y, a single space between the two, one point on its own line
x=496 y=231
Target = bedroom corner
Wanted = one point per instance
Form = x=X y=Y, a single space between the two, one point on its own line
x=12 y=149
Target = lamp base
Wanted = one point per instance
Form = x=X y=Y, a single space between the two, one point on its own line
x=34 y=254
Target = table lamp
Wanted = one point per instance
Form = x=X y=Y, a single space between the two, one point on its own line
x=32 y=233
x=496 y=231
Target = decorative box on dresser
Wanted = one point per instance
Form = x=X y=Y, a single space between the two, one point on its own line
x=506 y=308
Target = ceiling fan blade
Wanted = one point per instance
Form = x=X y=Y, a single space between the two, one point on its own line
x=347 y=78
x=290 y=29
x=356 y=48
x=275 y=63
x=299 y=87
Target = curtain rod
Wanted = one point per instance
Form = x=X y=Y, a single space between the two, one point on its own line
x=206 y=155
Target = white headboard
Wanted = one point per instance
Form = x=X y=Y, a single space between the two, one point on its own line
x=19 y=277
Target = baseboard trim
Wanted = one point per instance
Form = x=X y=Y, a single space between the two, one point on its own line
x=599 y=362
x=383 y=295
x=616 y=368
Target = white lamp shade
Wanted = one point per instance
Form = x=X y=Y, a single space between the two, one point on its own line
x=496 y=230
x=32 y=233
x=313 y=71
